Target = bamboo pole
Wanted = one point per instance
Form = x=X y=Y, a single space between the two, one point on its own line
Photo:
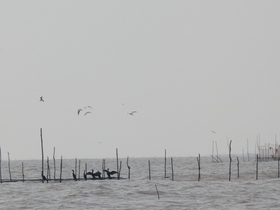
x=9 y=165
x=117 y=156
x=41 y=135
x=237 y=167
x=230 y=160
x=119 y=172
x=0 y=166
x=128 y=167
x=79 y=170
x=22 y=171
x=60 y=170
x=257 y=167
x=157 y=191
x=198 y=162
x=172 y=169
x=75 y=165
x=165 y=163
x=103 y=168
x=48 y=169
x=149 y=169
x=278 y=166
x=54 y=168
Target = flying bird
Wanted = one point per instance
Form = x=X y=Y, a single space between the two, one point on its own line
x=79 y=110
x=131 y=113
x=213 y=132
x=88 y=107
x=41 y=99
x=87 y=113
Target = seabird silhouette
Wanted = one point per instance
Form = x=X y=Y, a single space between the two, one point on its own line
x=41 y=99
x=131 y=113
x=87 y=113
x=44 y=178
x=91 y=173
x=88 y=107
x=74 y=175
x=213 y=132
x=109 y=173
x=98 y=174
x=79 y=110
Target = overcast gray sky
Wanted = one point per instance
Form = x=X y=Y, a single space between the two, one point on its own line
x=186 y=67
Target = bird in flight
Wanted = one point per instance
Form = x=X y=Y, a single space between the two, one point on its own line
x=88 y=107
x=41 y=99
x=79 y=110
x=213 y=132
x=87 y=113
x=131 y=113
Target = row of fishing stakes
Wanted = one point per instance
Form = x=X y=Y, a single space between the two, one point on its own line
x=118 y=164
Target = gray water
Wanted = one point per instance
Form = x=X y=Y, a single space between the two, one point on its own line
x=214 y=191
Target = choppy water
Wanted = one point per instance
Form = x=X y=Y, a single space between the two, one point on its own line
x=214 y=191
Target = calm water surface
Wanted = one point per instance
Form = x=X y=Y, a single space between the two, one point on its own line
x=214 y=191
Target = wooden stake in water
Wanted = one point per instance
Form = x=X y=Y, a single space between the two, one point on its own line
x=237 y=167
x=103 y=168
x=48 y=169
x=230 y=160
x=257 y=167
x=54 y=168
x=75 y=165
x=9 y=165
x=172 y=177
x=41 y=135
x=0 y=166
x=128 y=167
x=22 y=171
x=198 y=163
x=157 y=191
x=278 y=166
x=79 y=177
x=60 y=170
x=119 y=172
x=117 y=156
x=165 y=163
x=149 y=169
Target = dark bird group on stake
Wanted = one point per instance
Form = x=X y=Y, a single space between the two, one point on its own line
x=96 y=175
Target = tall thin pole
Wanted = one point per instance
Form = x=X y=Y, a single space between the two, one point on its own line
x=79 y=169
x=172 y=169
x=9 y=165
x=117 y=156
x=0 y=166
x=42 y=152
x=54 y=169
x=198 y=162
x=257 y=167
x=22 y=171
x=165 y=163
x=230 y=160
x=149 y=170
x=60 y=169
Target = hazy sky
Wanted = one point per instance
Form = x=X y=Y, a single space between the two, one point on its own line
x=186 y=67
